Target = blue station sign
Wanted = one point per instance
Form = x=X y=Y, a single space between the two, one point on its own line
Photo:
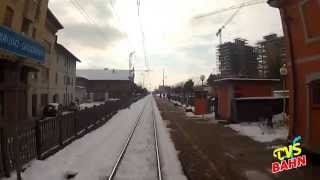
x=20 y=45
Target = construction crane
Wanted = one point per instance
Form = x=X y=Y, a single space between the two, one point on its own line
x=237 y=7
x=219 y=32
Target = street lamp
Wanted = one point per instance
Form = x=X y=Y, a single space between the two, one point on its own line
x=284 y=73
x=202 y=77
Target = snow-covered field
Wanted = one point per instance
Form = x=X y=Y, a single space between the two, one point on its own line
x=93 y=156
x=90 y=105
x=260 y=132
x=205 y=116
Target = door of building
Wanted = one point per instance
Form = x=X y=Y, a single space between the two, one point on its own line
x=34 y=105
x=314 y=134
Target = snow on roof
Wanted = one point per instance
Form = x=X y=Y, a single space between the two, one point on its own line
x=103 y=74
x=246 y=79
x=260 y=98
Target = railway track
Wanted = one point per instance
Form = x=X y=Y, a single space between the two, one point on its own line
x=129 y=142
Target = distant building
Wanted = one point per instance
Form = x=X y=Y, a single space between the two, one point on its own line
x=41 y=81
x=228 y=89
x=301 y=27
x=81 y=94
x=104 y=84
x=237 y=59
x=63 y=76
x=271 y=54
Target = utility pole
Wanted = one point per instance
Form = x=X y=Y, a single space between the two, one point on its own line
x=163 y=94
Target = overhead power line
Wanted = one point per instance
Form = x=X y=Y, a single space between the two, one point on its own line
x=244 y=4
x=92 y=21
x=116 y=16
x=143 y=37
x=86 y=16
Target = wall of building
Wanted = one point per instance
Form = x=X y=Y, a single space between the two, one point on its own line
x=224 y=94
x=271 y=54
x=66 y=78
x=226 y=91
x=33 y=12
x=254 y=89
x=304 y=31
x=237 y=59
x=115 y=89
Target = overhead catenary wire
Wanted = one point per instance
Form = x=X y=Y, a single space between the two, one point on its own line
x=142 y=35
x=243 y=4
x=86 y=16
x=116 y=16
x=92 y=21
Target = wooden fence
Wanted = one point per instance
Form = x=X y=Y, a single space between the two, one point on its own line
x=22 y=143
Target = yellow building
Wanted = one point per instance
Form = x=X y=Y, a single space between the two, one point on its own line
x=27 y=46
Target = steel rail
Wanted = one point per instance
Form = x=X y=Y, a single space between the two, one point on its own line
x=159 y=172
x=116 y=165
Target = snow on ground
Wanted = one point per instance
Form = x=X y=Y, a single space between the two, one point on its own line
x=66 y=112
x=139 y=162
x=171 y=166
x=91 y=156
x=90 y=105
x=176 y=103
x=258 y=131
x=206 y=116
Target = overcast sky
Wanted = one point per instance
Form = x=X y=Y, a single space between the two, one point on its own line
x=103 y=37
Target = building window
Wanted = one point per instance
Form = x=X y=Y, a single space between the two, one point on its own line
x=25 y=26
x=1 y=103
x=1 y=75
x=315 y=88
x=8 y=17
x=310 y=12
x=44 y=99
x=55 y=98
x=24 y=75
x=34 y=76
x=45 y=75
x=56 y=78
x=38 y=10
x=34 y=32
x=34 y=103
x=68 y=80
x=47 y=46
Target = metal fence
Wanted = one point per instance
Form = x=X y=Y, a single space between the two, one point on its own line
x=22 y=143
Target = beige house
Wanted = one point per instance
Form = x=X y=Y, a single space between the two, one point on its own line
x=31 y=72
x=41 y=81
x=22 y=57
x=64 y=76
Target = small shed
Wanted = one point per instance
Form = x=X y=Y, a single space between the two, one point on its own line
x=201 y=102
x=228 y=89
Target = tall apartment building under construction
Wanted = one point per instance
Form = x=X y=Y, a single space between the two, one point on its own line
x=237 y=59
x=271 y=55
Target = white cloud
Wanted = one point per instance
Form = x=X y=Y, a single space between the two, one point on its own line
x=174 y=41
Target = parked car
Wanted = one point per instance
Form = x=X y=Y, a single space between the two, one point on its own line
x=52 y=109
x=74 y=106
